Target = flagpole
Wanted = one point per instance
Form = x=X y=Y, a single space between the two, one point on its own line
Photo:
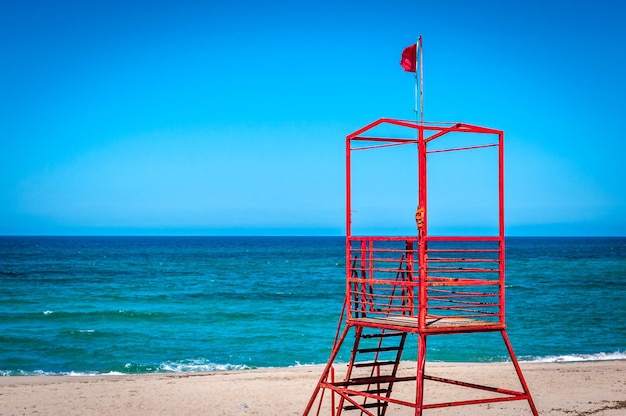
x=417 y=105
x=418 y=55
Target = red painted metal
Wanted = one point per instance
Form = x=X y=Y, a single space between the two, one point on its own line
x=418 y=284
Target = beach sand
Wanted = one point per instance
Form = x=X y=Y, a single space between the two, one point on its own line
x=570 y=389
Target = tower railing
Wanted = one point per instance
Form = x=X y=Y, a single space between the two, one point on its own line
x=462 y=287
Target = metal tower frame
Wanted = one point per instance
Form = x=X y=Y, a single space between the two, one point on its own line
x=420 y=284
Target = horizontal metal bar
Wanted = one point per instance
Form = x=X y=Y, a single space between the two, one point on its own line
x=371 y=380
x=460 y=302
x=458 y=268
x=461 y=238
x=474 y=312
x=469 y=314
x=383 y=259
x=476 y=401
x=432 y=250
x=462 y=282
x=474 y=386
x=461 y=260
x=381 y=250
x=463 y=148
x=380 y=269
x=383 y=238
x=390 y=141
x=456 y=295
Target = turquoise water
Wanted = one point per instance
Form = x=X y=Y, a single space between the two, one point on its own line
x=100 y=305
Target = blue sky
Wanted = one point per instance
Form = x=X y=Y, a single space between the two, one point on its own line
x=200 y=118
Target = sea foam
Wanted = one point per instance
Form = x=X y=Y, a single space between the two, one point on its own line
x=601 y=356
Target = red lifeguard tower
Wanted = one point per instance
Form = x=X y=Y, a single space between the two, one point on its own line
x=446 y=276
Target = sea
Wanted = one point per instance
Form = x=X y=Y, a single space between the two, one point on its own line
x=132 y=305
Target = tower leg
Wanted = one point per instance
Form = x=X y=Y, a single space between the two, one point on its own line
x=325 y=373
x=505 y=337
x=421 y=365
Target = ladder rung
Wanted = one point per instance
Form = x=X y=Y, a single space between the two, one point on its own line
x=360 y=381
x=374 y=363
x=369 y=380
x=379 y=349
x=366 y=405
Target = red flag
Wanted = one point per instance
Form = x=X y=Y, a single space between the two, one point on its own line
x=409 y=55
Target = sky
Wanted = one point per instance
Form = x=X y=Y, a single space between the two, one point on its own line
x=229 y=118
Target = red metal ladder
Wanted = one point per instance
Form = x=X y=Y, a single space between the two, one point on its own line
x=379 y=380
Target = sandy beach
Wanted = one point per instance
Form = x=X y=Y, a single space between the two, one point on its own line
x=574 y=389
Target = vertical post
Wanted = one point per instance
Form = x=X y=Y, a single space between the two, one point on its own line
x=348 y=300
x=365 y=250
x=422 y=307
x=501 y=181
x=421 y=365
x=332 y=394
x=410 y=290
x=421 y=151
x=348 y=189
x=501 y=224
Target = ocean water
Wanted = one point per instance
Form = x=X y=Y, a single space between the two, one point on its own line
x=109 y=305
